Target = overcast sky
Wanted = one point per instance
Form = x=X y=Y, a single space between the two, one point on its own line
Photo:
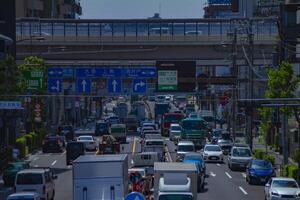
x=131 y=9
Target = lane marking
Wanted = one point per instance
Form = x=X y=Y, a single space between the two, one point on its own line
x=168 y=155
x=35 y=166
x=242 y=189
x=134 y=146
x=35 y=159
x=212 y=174
x=54 y=162
x=227 y=174
x=63 y=153
x=132 y=161
x=244 y=175
x=69 y=166
x=218 y=164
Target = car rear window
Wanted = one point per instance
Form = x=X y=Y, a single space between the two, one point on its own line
x=29 y=179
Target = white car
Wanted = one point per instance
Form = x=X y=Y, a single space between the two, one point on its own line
x=89 y=142
x=24 y=195
x=36 y=180
x=175 y=132
x=213 y=153
x=282 y=188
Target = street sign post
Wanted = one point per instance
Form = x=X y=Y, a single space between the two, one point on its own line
x=54 y=85
x=114 y=85
x=84 y=86
x=167 y=80
x=139 y=86
x=34 y=79
x=135 y=196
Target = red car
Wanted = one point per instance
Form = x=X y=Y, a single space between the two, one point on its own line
x=168 y=119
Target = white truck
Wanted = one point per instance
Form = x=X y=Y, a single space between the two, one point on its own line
x=174 y=180
x=100 y=177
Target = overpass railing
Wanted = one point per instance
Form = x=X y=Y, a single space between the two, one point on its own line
x=142 y=30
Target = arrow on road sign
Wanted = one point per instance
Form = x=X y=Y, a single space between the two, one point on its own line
x=54 y=85
x=114 y=84
x=83 y=85
x=140 y=84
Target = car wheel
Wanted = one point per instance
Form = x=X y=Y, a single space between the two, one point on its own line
x=250 y=181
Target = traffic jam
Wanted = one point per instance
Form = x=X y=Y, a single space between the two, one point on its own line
x=159 y=147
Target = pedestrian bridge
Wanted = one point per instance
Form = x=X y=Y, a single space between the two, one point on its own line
x=143 y=31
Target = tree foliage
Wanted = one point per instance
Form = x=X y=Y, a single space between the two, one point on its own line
x=9 y=78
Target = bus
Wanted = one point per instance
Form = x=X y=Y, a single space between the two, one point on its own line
x=196 y=130
x=168 y=119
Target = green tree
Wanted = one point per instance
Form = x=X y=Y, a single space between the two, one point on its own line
x=283 y=83
x=33 y=63
x=9 y=79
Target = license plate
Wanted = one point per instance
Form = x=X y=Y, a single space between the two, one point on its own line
x=213 y=158
x=262 y=179
x=242 y=165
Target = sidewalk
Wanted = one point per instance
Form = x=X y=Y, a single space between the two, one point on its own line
x=277 y=155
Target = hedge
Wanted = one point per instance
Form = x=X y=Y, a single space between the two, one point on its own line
x=29 y=142
x=290 y=171
x=21 y=145
x=261 y=154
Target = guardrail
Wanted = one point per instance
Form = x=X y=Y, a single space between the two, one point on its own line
x=142 y=30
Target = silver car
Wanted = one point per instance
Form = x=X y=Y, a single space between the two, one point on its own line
x=239 y=157
x=213 y=153
x=183 y=148
x=282 y=188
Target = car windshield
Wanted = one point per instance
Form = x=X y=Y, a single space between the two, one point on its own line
x=193 y=125
x=21 y=198
x=151 y=143
x=29 y=179
x=175 y=128
x=172 y=118
x=241 y=152
x=85 y=138
x=175 y=197
x=212 y=148
x=285 y=183
x=261 y=164
x=185 y=147
x=101 y=125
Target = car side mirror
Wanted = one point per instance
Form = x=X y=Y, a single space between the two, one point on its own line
x=175 y=150
x=54 y=177
x=267 y=185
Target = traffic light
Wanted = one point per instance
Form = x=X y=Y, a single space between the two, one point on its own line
x=235 y=5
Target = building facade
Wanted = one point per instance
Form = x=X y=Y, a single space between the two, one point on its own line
x=48 y=8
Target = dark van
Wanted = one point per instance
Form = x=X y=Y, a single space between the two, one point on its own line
x=73 y=151
x=102 y=128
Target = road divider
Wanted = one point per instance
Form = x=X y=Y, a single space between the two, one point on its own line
x=227 y=174
x=244 y=191
x=168 y=158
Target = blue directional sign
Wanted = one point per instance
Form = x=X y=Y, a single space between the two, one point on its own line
x=60 y=72
x=54 y=85
x=83 y=86
x=145 y=72
x=149 y=72
x=114 y=85
x=135 y=196
x=139 y=86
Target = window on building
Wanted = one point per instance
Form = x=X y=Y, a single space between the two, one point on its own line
x=290 y=18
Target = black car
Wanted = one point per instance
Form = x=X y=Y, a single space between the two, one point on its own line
x=74 y=150
x=102 y=128
x=68 y=132
x=53 y=144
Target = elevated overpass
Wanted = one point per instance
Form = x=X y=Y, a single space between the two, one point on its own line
x=206 y=40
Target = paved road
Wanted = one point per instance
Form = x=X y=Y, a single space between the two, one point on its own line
x=221 y=182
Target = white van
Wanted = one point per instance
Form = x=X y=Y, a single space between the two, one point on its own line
x=24 y=196
x=39 y=180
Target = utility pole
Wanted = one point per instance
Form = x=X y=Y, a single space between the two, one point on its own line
x=251 y=81
x=235 y=74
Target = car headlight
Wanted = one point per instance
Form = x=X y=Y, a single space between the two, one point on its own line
x=205 y=154
x=274 y=193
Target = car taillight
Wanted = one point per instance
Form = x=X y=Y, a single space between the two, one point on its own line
x=44 y=189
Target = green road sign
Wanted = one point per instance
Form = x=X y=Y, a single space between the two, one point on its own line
x=34 y=79
x=167 y=80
